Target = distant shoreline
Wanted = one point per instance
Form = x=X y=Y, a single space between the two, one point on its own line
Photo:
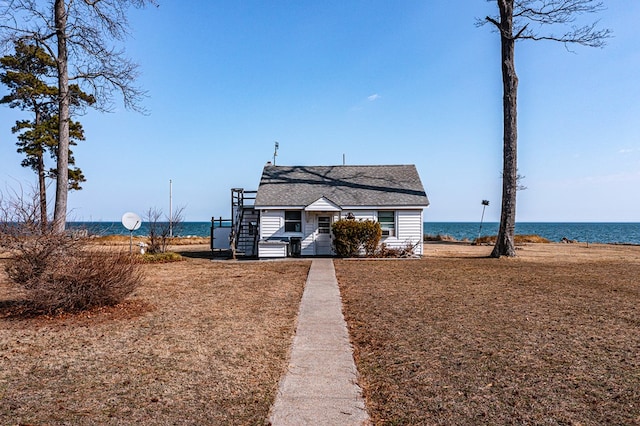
x=627 y=233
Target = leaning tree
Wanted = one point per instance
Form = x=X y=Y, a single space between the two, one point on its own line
x=553 y=20
x=81 y=36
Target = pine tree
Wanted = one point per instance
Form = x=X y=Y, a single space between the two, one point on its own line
x=80 y=36
x=28 y=74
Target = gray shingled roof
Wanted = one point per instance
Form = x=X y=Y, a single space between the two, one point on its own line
x=397 y=185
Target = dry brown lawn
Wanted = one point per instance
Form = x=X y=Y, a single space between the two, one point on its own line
x=124 y=240
x=551 y=337
x=200 y=343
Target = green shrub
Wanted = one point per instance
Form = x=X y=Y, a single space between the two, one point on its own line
x=351 y=236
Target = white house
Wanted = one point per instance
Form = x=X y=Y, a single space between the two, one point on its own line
x=296 y=206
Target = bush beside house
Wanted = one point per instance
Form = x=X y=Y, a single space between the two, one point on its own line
x=352 y=237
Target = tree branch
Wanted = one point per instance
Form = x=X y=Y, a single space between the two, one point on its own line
x=554 y=14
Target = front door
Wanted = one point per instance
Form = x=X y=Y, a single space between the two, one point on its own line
x=323 y=236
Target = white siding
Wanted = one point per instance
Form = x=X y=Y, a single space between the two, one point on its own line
x=271 y=223
x=360 y=214
x=272 y=250
x=409 y=228
x=308 y=243
x=323 y=205
x=311 y=231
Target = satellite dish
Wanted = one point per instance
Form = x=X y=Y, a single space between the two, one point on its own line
x=131 y=221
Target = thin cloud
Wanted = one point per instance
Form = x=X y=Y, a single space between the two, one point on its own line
x=362 y=104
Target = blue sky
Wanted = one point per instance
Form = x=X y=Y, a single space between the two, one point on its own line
x=378 y=82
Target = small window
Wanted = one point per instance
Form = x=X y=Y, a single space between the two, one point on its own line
x=293 y=221
x=324 y=225
x=387 y=220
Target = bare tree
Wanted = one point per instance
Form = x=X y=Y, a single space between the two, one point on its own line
x=160 y=230
x=531 y=20
x=19 y=211
x=80 y=36
x=153 y=217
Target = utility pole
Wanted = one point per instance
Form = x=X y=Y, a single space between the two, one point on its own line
x=170 y=209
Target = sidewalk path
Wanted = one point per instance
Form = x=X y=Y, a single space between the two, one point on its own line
x=320 y=387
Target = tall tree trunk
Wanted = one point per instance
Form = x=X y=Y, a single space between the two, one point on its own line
x=505 y=242
x=62 y=182
x=42 y=184
x=42 y=188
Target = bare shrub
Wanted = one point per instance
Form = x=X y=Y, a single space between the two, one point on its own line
x=485 y=239
x=19 y=217
x=518 y=239
x=439 y=237
x=58 y=272
x=34 y=254
x=156 y=236
x=396 y=252
x=161 y=232
x=531 y=239
x=85 y=281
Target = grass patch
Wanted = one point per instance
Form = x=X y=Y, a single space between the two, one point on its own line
x=165 y=257
x=551 y=339
x=197 y=343
x=110 y=240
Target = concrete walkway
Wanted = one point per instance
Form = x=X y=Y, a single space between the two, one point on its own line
x=320 y=387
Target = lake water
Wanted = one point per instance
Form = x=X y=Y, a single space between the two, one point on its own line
x=599 y=232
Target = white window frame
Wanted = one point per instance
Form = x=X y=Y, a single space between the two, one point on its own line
x=388 y=228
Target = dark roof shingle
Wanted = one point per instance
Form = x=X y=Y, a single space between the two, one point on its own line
x=395 y=185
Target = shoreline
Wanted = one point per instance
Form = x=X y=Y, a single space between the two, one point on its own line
x=600 y=232
x=117 y=239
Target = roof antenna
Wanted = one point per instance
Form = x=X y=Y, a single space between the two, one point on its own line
x=344 y=159
x=275 y=152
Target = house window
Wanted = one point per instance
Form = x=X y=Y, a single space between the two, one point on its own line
x=324 y=225
x=387 y=220
x=293 y=221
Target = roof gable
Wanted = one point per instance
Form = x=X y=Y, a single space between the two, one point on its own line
x=323 y=204
x=395 y=185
